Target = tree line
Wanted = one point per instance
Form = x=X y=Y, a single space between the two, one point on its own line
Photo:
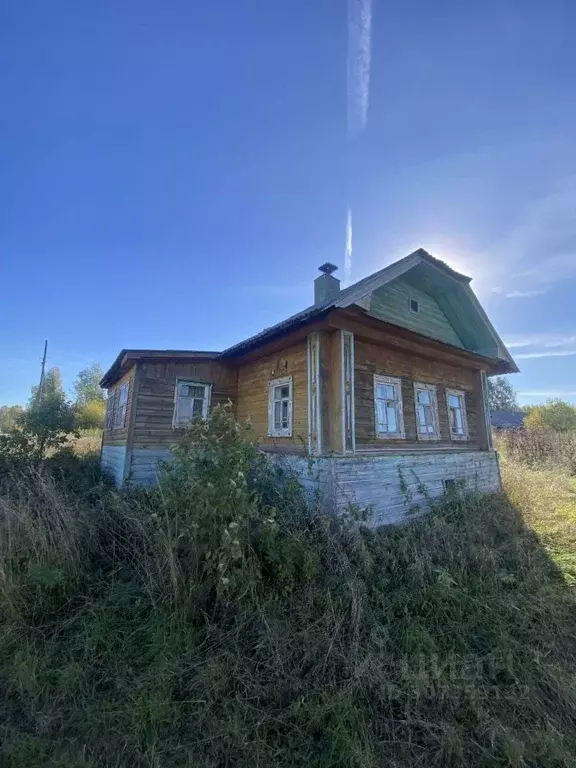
x=50 y=416
x=555 y=414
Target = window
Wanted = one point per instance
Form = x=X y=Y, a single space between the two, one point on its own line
x=192 y=401
x=280 y=407
x=414 y=306
x=456 y=402
x=388 y=407
x=116 y=407
x=426 y=411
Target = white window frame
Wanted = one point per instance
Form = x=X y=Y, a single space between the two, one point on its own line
x=420 y=386
x=395 y=382
x=461 y=395
x=178 y=422
x=274 y=384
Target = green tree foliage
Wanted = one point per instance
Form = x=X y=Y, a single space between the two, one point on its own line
x=8 y=416
x=501 y=395
x=52 y=386
x=556 y=415
x=90 y=415
x=87 y=385
x=48 y=423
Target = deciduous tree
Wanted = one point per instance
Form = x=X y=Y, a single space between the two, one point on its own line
x=501 y=395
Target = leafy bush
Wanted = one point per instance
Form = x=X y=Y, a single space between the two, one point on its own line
x=222 y=621
x=555 y=415
x=90 y=415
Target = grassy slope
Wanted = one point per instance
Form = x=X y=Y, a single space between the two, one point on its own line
x=448 y=642
x=547 y=501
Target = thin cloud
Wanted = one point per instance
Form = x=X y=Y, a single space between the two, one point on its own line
x=549 y=393
x=358 y=63
x=549 y=341
x=526 y=294
x=348 y=247
x=544 y=239
x=534 y=355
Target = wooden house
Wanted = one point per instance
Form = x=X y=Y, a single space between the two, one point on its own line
x=383 y=382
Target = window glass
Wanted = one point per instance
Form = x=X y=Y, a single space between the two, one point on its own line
x=388 y=407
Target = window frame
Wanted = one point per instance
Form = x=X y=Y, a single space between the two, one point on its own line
x=461 y=395
x=396 y=383
x=421 y=386
x=117 y=408
x=206 y=401
x=274 y=384
x=413 y=299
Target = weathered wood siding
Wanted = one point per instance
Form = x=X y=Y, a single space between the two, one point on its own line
x=392 y=303
x=112 y=460
x=156 y=391
x=120 y=436
x=252 y=400
x=374 y=481
x=371 y=358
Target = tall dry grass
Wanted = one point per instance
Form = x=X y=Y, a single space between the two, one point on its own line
x=222 y=621
x=539 y=448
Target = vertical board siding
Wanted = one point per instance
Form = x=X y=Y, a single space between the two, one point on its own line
x=314 y=395
x=371 y=358
x=391 y=303
x=120 y=436
x=156 y=390
x=336 y=436
x=112 y=461
x=348 y=422
x=252 y=400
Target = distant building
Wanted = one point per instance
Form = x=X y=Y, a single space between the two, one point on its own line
x=507 y=419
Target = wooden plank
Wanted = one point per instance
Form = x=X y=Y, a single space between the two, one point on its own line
x=131 y=422
x=335 y=440
x=368 y=328
x=325 y=389
x=120 y=436
x=371 y=358
x=252 y=401
x=392 y=303
x=157 y=385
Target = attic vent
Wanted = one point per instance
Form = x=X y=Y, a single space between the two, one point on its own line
x=414 y=306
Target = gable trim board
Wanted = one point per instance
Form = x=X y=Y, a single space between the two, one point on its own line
x=314 y=394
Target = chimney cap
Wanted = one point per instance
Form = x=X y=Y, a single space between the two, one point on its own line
x=327 y=268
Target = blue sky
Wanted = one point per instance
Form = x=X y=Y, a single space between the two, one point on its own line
x=173 y=173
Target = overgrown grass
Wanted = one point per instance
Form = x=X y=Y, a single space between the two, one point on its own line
x=223 y=622
x=540 y=448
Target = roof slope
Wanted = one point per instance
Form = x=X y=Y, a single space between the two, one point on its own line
x=453 y=302
x=419 y=263
x=507 y=419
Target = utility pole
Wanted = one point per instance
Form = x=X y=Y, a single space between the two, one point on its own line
x=42 y=373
